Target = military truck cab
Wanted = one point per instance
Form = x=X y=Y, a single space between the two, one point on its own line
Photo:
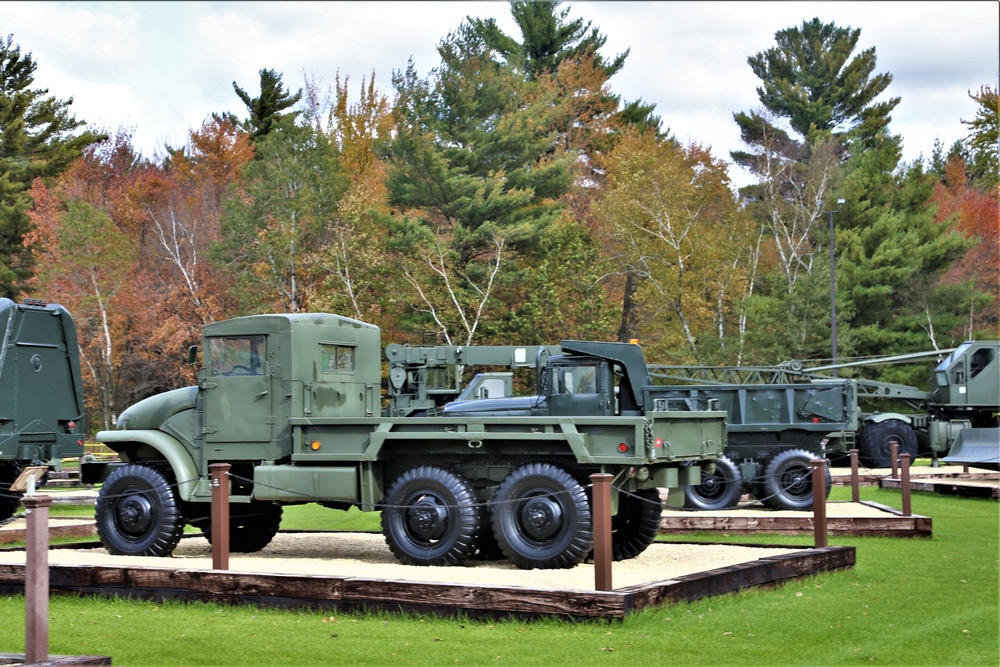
x=591 y=379
x=969 y=379
x=260 y=372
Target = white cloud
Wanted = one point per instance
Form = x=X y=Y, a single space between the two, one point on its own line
x=163 y=67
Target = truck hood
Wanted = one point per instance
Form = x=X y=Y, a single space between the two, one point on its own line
x=151 y=412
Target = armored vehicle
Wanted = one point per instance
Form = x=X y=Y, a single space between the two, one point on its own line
x=294 y=404
x=41 y=391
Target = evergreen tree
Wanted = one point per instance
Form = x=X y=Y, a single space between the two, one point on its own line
x=478 y=169
x=984 y=138
x=272 y=229
x=476 y=149
x=892 y=254
x=549 y=39
x=36 y=141
x=810 y=81
x=268 y=109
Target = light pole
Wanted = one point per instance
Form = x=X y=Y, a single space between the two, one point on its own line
x=833 y=290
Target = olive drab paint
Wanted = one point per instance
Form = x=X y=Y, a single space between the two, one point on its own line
x=297 y=405
x=41 y=391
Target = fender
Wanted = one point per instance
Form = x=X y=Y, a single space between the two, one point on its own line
x=184 y=468
x=880 y=417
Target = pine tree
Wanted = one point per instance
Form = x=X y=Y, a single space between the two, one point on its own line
x=810 y=81
x=269 y=108
x=549 y=38
x=36 y=141
x=984 y=138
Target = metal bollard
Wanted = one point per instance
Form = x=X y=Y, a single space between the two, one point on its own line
x=819 y=500
x=855 y=491
x=220 y=515
x=602 y=530
x=36 y=579
x=904 y=484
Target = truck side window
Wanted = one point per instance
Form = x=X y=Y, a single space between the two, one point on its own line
x=337 y=358
x=980 y=360
x=584 y=380
x=236 y=355
x=959 y=373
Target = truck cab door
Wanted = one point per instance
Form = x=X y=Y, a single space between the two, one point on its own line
x=580 y=390
x=983 y=384
x=236 y=389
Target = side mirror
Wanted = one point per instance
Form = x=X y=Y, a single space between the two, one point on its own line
x=192 y=357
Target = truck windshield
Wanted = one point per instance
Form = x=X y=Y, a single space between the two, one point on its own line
x=954 y=357
x=237 y=355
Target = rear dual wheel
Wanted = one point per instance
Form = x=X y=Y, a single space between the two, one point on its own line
x=788 y=483
x=541 y=518
x=636 y=524
x=251 y=526
x=718 y=491
x=431 y=517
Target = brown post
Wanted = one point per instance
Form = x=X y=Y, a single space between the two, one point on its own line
x=220 y=515
x=855 y=492
x=904 y=484
x=894 y=454
x=602 y=530
x=819 y=501
x=36 y=579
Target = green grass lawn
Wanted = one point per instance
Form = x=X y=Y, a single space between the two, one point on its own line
x=906 y=602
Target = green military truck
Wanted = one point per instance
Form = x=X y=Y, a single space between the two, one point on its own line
x=294 y=403
x=41 y=392
x=781 y=416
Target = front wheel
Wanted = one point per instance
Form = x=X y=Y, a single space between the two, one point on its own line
x=137 y=512
x=788 y=481
x=430 y=517
x=718 y=491
x=541 y=518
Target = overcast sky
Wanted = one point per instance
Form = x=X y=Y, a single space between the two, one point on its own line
x=161 y=68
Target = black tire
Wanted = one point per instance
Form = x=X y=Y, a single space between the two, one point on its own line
x=487 y=547
x=637 y=523
x=541 y=518
x=875 y=442
x=430 y=517
x=9 y=500
x=137 y=512
x=718 y=491
x=251 y=527
x=788 y=481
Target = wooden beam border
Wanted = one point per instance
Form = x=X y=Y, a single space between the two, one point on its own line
x=445 y=599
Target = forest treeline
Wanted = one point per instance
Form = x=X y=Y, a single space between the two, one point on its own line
x=508 y=197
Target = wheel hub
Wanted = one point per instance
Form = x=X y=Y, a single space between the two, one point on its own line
x=541 y=517
x=796 y=482
x=135 y=514
x=427 y=520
